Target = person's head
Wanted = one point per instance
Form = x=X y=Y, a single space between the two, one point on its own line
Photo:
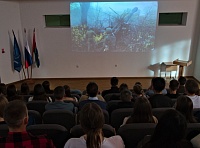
x=92 y=89
x=3 y=88
x=114 y=81
x=173 y=85
x=137 y=89
x=182 y=80
x=142 y=112
x=92 y=121
x=46 y=86
x=185 y=106
x=24 y=88
x=3 y=103
x=67 y=91
x=126 y=95
x=38 y=90
x=59 y=92
x=123 y=86
x=170 y=129
x=16 y=115
x=11 y=90
x=191 y=87
x=158 y=84
x=138 y=83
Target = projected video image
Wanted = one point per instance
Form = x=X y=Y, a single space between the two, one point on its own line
x=113 y=26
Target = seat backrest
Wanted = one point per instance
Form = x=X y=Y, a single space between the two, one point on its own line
x=108 y=96
x=57 y=133
x=77 y=131
x=37 y=105
x=193 y=129
x=118 y=115
x=158 y=112
x=61 y=117
x=135 y=132
x=34 y=117
x=3 y=130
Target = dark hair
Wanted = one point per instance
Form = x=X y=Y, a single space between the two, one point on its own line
x=191 y=86
x=138 y=89
x=3 y=88
x=114 y=81
x=182 y=80
x=24 y=89
x=126 y=95
x=11 y=90
x=170 y=129
x=39 y=93
x=59 y=92
x=158 y=84
x=142 y=112
x=3 y=103
x=92 y=121
x=92 y=89
x=14 y=113
x=67 y=91
x=185 y=106
x=46 y=86
x=123 y=86
x=173 y=85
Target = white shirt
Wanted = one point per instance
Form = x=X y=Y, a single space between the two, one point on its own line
x=195 y=100
x=112 y=142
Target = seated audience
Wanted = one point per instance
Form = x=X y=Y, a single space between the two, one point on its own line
x=181 y=89
x=39 y=94
x=114 y=88
x=116 y=96
x=3 y=103
x=185 y=106
x=191 y=88
x=46 y=86
x=12 y=93
x=150 y=92
x=142 y=112
x=158 y=99
x=92 y=121
x=59 y=93
x=173 y=86
x=2 y=89
x=92 y=91
x=169 y=132
x=68 y=96
x=125 y=97
x=16 y=117
x=24 y=89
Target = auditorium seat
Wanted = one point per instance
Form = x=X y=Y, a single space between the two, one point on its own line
x=135 y=132
x=37 y=105
x=157 y=112
x=61 y=117
x=34 y=117
x=3 y=130
x=57 y=133
x=118 y=115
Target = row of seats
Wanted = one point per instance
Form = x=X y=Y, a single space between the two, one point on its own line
x=69 y=119
x=130 y=133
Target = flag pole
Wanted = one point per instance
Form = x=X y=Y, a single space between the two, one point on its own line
x=32 y=54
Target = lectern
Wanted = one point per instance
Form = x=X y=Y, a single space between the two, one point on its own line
x=181 y=64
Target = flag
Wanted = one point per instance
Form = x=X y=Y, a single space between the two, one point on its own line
x=17 y=55
x=28 y=57
x=35 y=51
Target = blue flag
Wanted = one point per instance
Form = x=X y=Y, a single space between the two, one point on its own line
x=17 y=55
